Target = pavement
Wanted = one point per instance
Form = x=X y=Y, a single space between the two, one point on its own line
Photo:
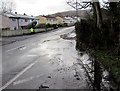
x=9 y=40
x=6 y=41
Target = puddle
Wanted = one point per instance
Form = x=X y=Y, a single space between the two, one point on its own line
x=71 y=36
x=50 y=40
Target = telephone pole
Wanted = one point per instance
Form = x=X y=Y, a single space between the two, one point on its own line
x=77 y=9
x=74 y=4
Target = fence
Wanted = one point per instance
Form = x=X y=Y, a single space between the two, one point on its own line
x=6 y=33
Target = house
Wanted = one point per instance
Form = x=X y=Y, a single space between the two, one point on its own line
x=47 y=20
x=4 y=25
x=59 y=19
x=67 y=19
x=70 y=20
x=15 y=21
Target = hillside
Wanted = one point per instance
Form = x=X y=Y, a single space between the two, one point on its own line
x=81 y=13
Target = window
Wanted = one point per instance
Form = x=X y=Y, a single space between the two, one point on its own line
x=21 y=20
x=15 y=28
x=48 y=19
x=55 y=20
x=26 y=20
x=13 y=19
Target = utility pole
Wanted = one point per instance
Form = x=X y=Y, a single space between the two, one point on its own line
x=77 y=10
x=78 y=4
x=74 y=4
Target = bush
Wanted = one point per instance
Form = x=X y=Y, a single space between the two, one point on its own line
x=43 y=25
x=89 y=34
x=31 y=25
x=65 y=25
x=55 y=26
x=60 y=25
x=40 y=26
x=48 y=25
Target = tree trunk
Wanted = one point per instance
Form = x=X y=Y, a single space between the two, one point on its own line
x=98 y=14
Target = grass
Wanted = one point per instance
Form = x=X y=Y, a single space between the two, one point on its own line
x=110 y=62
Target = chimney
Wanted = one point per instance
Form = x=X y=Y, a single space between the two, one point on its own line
x=15 y=12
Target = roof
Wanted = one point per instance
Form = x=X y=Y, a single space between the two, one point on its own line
x=11 y=15
x=49 y=17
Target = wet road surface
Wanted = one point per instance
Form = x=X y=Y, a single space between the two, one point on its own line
x=46 y=61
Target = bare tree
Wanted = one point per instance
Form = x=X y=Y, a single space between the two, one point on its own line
x=98 y=14
x=7 y=6
x=83 y=4
x=77 y=4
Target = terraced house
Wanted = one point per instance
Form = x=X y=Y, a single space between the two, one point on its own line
x=67 y=19
x=15 y=21
x=47 y=20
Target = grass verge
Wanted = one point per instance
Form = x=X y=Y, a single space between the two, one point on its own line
x=110 y=62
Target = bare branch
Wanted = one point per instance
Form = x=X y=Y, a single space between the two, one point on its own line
x=78 y=5
x=7 y=6
x=71 y=5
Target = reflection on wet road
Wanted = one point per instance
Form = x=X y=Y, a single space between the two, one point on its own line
x=51 y=63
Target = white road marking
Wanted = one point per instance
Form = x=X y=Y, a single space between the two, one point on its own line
x=31 y=55
x=15 y=48
x=22 y=48
x=18 y=75
x=27 y=79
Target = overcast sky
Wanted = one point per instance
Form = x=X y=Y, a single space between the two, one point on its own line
x=41 y=7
